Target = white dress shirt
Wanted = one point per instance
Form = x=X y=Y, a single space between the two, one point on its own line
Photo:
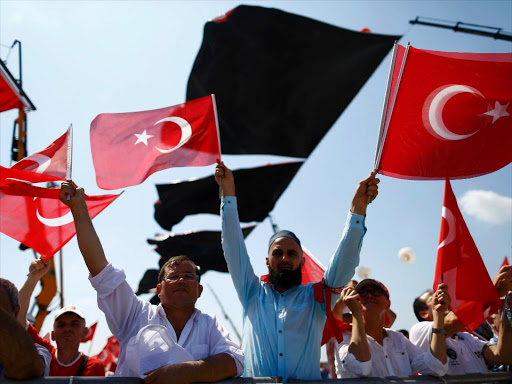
x=126 y=315
x=465 y=352
x=397 y=356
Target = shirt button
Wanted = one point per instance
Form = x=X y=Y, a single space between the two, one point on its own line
x=280 y=331
x=280 y=354
x=357 y=221
x=280 y=311
x=386 y=356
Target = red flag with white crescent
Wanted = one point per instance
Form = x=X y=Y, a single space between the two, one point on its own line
x=90 y=333
x=128 y=147
x=451 y=117
x=460 y=266
x=313 y=269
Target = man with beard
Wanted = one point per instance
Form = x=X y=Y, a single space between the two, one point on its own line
x=283 y=322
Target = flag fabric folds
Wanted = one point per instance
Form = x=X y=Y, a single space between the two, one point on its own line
x=90 y=333
x=45 y=225
x=11 y=94
x=460 y=266
x=128 y=147
x=451 y=116
x=184 y=198
x=281 y=80
x=313 y=269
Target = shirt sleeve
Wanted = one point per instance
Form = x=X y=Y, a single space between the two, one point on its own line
x=343 y=263
x=45 y=355
x=221 y=343
x=117 y=301
x=347 y=364
x=239 y=265
x=36 y=338
x=421 y=334
x=424 y=362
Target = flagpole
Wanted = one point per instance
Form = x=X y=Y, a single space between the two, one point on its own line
x=225 y=314
x=379 y=152
x=214 y=101
x=61 y=275
x=70 y=153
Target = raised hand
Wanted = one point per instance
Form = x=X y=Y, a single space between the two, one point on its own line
x=367 y=188
x=228 y=181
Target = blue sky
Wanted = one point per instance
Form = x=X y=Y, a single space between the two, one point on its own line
x=85 y=58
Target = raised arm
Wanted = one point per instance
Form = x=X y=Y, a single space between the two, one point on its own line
x=37 y=269
x=358 y=342
x=501 y=354
x=343 y=264
x=233 y=244
x=88 y=241
x=441 y=302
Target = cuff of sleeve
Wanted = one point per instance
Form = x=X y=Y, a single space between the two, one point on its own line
x=435 y=365
x=355 y=220
x=360 y=368
x=228 y=202
x=107 y=280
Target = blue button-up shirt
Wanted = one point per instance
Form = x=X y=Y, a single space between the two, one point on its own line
x=282 y=332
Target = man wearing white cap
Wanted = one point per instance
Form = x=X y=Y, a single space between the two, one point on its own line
x=68 y=331
x=172 y=341
x=370 y=350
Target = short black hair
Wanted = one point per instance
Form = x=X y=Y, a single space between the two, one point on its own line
x=176 y=260
x=419 y=305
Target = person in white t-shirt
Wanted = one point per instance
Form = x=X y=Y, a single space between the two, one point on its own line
x=466 y=353
x=172 y=341
x=371 y=350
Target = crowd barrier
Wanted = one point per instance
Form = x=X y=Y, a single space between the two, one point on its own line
x=487 y=378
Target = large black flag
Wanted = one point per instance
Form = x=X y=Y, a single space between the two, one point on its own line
x=257 y=191
x=203 y=247
x=280 y=80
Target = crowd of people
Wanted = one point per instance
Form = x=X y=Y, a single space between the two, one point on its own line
x=283 y=320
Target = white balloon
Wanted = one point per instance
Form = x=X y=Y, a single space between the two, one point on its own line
x=407 y=255
x=364 y=272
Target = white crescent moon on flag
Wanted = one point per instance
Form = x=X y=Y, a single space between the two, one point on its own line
x=55 y=222
x=186 y=132
x=42 y=161
x=448 y=215
x=435 y=111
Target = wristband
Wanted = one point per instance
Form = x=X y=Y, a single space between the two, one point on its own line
x=441 y=331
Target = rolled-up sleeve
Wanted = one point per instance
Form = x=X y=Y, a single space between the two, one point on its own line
x=348 y=365
x=220 y=343
x=424 y=362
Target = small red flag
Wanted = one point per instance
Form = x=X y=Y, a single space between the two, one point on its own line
x=313 y=269
x=110 y=352
x=128 y=147
x=90 y=333
x=460 y=266
x=451 y=117
x=43 y=224
x=505 y=262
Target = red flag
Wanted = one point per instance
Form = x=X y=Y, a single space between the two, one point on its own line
x=462 y=268
x=505 y=262
x=90 y=333
x=128 y=147
x=110 y=352
x=313 y=269
x=451 y=117
x=45 y=225
x=11 y=94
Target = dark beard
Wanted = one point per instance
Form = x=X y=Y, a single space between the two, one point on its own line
x=285 y=279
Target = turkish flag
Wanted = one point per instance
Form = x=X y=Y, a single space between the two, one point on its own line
x=11 y=94
x=313 y=269
x=460 y=266
x=110 y=352
x=90 y=333
x=128 y=147
x=451 y=117
x=43 y=224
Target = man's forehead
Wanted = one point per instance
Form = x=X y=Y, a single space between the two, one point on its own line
x=284 y=243
x=426 y=296
x=182 y=266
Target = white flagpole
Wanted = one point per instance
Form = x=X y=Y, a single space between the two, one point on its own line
x=381 y=146
x=385 y=105
x=70 y=152
x=218 y=137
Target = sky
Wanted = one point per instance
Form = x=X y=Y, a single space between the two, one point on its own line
x=82 y=58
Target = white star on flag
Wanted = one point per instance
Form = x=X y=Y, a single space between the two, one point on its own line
x=498 y=111
x=142 y=138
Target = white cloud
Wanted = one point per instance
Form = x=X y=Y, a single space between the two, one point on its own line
x=487 y=206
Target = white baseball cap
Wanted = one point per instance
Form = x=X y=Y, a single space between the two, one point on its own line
x=69 y=308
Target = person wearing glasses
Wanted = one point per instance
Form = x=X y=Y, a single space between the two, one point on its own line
x=172 y=341
x=371 y=350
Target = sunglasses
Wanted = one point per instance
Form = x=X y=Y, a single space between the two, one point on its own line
x=374 y=292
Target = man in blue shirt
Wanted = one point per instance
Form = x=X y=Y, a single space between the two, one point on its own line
x=283 y=322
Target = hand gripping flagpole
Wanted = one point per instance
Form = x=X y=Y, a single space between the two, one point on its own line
x=218 y=138
x=386 y=117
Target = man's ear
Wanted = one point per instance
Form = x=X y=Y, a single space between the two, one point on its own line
x=52 y=335
x=302 y=261
x=424 y=314
x=200 y=290
x=158 y=289
x=266 y=260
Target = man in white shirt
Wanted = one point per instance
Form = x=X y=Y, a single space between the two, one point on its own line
x=466 y=353
x=171 y=341
x=371 y=350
